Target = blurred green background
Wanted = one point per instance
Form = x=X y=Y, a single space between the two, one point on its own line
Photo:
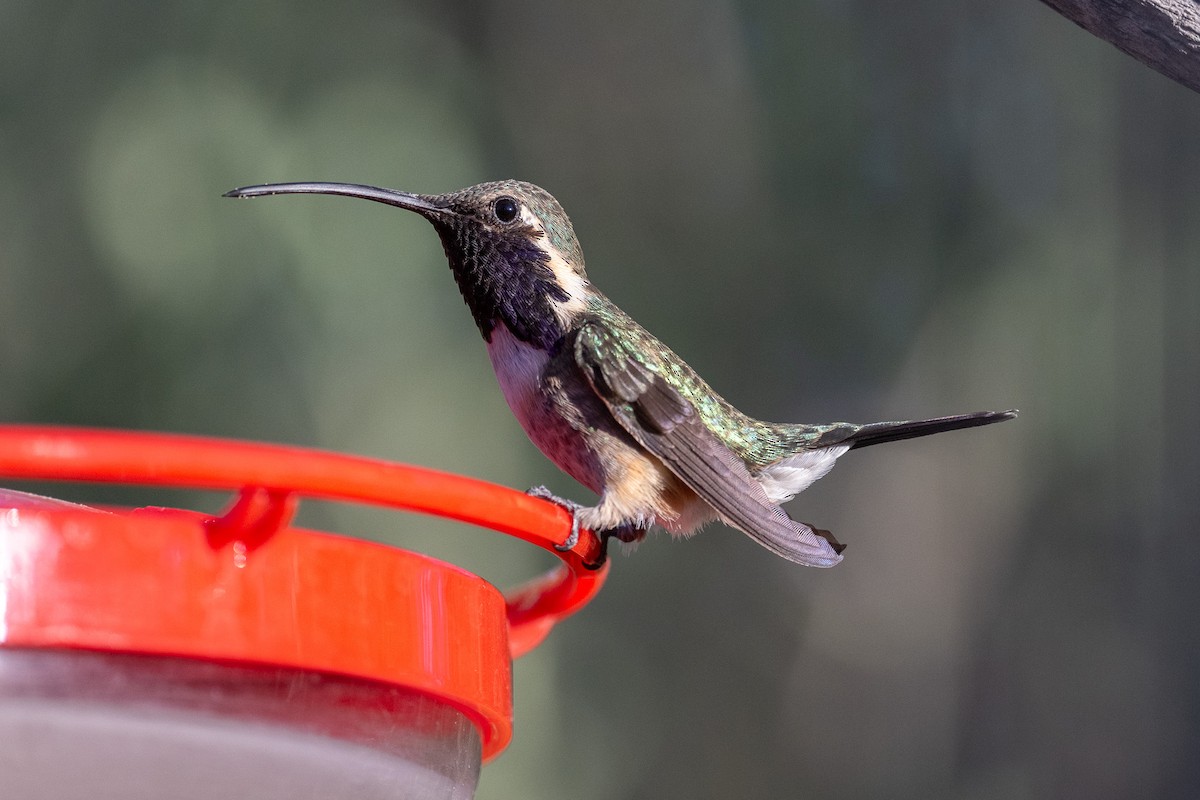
x=833 y=210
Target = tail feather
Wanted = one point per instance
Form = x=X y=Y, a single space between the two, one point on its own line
x=880 y=432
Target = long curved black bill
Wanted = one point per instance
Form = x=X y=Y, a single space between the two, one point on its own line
x=413 y=202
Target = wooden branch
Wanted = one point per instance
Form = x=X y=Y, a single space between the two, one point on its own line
x=1163 y=34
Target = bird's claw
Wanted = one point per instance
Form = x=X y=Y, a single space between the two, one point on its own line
x=625 y=533
x=572 y=539
x=543 y=493
x=628 y=534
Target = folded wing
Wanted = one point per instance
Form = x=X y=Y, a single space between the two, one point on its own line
x=661 y=420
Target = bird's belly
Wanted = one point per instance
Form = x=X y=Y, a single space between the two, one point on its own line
x=521 y=372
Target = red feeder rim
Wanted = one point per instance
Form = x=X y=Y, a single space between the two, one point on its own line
x=373 y=641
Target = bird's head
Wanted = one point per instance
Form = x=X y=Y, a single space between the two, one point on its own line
x=510 y=245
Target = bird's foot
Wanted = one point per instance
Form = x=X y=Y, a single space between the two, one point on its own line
x=630 y=533
x=543 y=493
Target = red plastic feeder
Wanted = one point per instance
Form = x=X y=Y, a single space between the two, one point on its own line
x=159 y=652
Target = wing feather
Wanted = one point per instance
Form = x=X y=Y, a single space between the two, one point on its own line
x=661 y=420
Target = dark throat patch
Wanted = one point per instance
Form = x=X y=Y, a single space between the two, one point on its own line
x=505 y=279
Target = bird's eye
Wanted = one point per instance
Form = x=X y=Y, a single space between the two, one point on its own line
x=505 y=209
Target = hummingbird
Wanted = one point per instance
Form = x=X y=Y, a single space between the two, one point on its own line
x=606 y=401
